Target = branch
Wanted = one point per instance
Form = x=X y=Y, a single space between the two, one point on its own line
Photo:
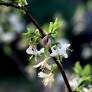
x=60 y=67
x=34 y=22
x=10 y=5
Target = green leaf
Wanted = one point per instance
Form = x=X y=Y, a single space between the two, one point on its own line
x=84 y=81
x=30 y=58
x=32 y=35
x=87 y=70
x=50 y=27
x=53 y=68
x=21 y=2
x=78 y=68
x=53 y=27
x=56 y=24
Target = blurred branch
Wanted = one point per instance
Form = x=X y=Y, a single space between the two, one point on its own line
x=60 y=67
x=2 y=3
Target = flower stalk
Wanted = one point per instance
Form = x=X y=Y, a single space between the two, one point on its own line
x=60 y=67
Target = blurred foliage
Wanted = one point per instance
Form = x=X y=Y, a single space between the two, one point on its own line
x=86 y=71
x=21 y=2
x=83 y=76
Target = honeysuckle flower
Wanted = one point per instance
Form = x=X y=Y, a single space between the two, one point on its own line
x=85 y=90
x=34 y=51
x=60 y=51
x=43 y=64
x=74 y=83
x=63 y=50
x=48 y=79
x=54 y=52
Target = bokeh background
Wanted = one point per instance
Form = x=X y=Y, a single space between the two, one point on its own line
x=16 y=74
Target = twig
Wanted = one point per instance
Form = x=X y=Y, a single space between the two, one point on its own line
x=60 y=67
x=35 y=23
x=2 y=3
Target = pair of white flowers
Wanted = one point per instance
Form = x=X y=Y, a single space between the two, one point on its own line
x=55 y=52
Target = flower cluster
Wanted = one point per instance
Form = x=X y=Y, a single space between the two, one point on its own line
x=46 y=74
x=41 y=53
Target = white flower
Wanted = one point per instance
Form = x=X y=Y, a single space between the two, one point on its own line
x=85 y=90
x=54 y=52
x=42 y=75
x=34 y=51
x=43 y=64
x=89 y=89
x=74 y=83
x=60 y=51
x=48 y=79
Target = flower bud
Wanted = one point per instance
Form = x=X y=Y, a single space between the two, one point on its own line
x=45 y=41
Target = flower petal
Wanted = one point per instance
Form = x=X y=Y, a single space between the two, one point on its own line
x=38 y=65
x=54 y=52
x=62 y=50
x=41 y=51
x=42 y=75
x=29 y=50
x=34 y=51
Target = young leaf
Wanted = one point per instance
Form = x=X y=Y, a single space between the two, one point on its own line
x=53 y=68
x=54 y=26
x=32 y=35
x=84 y=81
x=21 y=2
x=87 y=70
x=78 y=69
